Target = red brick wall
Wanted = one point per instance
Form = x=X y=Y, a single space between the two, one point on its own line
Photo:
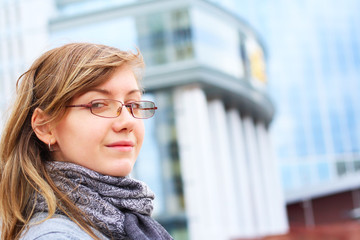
x=333 y=209
x=331 y=219
x=341 y=231
x=326 y=210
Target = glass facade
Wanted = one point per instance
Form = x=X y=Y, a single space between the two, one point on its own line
x=113 y=29
x=165 y=37
x=159 y=165
x=79 y=7
x=224 y=44
x=175 y=35
x=314 y=71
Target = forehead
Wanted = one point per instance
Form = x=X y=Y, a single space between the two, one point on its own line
x=109 y=92
x=120 y=83
x=122 y=77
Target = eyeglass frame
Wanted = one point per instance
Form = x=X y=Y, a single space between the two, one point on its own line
x=127 y=105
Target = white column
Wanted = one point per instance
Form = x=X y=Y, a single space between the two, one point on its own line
x=232 y=186
x=196 y=158
x=23 y=37
x=6 y=90
x=274 y=193
x=256 y=178
x=6 y=57
x=224 y=175
x=241 y=169
x=266 y=171
x=34 y=16
x=2 y=60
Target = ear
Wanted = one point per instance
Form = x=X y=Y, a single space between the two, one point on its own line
x=41 y=127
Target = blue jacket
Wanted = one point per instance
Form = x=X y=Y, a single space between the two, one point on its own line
x=58 y=227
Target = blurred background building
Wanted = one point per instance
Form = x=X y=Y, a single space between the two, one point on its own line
x=314 y=73
x=211 y=67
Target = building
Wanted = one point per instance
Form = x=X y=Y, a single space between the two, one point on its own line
x=23 y=36
x=314 y=52
x=207 y=153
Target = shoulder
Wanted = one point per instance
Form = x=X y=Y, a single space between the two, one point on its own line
x=57 y=227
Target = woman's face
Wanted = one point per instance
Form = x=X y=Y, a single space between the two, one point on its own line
x=109 y=146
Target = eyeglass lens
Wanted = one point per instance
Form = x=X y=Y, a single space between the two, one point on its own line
x=112 y=108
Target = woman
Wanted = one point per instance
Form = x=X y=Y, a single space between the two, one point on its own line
x=71 y=141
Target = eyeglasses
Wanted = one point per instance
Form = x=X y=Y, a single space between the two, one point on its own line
x=109 y=108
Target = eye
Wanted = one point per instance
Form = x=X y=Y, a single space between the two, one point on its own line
x=135 y=105
x=98 y=104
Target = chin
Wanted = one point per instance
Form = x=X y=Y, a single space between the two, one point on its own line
x=120 y=170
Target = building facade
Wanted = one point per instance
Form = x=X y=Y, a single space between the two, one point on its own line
x=207 y=154
x=314 y=52
x=23 y=35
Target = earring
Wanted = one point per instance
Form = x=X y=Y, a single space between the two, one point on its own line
x=49 y=145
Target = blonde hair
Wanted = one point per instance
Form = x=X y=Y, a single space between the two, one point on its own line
x=53 y=80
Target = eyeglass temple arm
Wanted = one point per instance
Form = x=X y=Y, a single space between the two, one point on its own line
x=80 y=105
x=153 y=108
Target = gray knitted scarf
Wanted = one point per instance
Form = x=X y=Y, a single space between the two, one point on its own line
x=120 y=207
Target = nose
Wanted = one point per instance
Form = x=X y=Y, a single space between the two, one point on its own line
x=125 y=120
x=119 y=110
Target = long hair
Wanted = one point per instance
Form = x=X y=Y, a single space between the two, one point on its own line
x=53 y=80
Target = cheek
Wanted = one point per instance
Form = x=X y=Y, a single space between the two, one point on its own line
x=140 y=132
x=75 y=136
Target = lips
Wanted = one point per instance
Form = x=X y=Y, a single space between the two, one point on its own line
x=124 y=146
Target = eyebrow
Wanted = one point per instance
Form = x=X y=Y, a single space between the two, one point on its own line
x=103 y=91
x=135 y=91
x=107 y=92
